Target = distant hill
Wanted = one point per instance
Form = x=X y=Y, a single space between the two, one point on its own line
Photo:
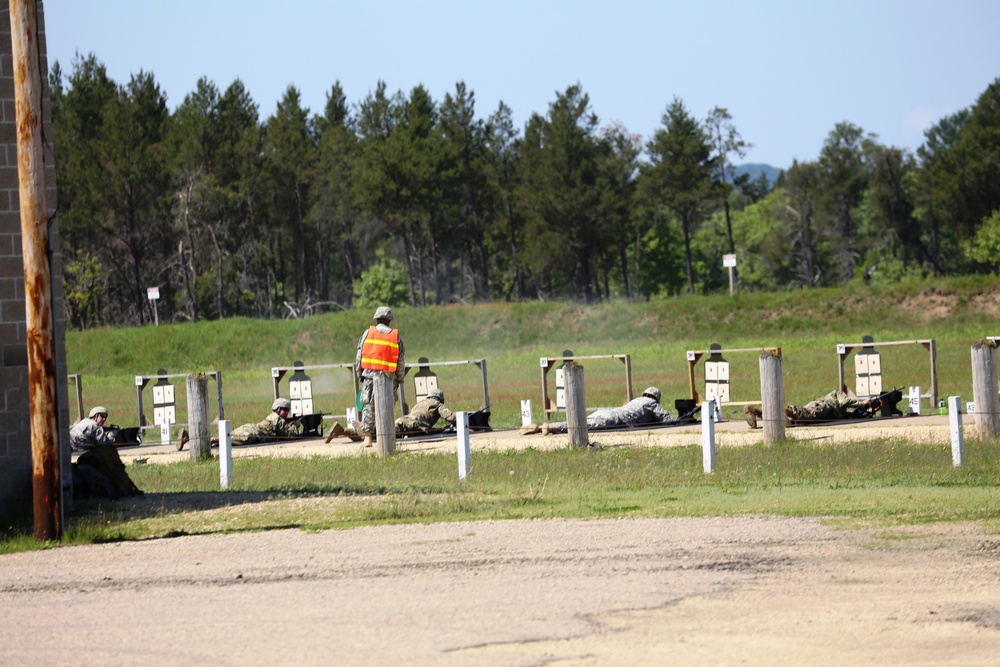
x=756 y=169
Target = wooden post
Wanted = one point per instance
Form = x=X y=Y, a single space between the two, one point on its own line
x=984 y=388
x=40 y=329
x=772 y=396
x=197 y=404
x=78 y=384
x=385 y=424
x=576 y=405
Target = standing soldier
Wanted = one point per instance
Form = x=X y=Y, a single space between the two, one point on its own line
x=380 y=350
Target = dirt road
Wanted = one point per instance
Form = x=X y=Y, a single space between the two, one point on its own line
x=747 y=591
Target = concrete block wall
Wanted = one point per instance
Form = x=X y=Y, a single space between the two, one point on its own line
x=15 y=432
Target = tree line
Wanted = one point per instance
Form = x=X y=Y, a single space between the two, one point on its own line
x=400 y=198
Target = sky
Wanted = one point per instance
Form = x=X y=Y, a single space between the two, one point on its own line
x=786 y=70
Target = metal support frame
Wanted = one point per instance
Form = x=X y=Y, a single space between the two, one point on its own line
x=78 y=385
x=844 y=349
x=481 y=363
x=694 y=355
x=142 y=380
x=548 y=362
x=278 y=372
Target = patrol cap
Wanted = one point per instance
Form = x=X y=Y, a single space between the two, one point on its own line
x=281 y=403
x=436 y=393
x=98 y=410
x=383 y=313
x=653 y=393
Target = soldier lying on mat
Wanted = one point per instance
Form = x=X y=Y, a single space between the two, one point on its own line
x=843 y=404
x=642 y=411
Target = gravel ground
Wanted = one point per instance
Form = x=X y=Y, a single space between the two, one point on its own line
x=748 y=591
x=726 y=591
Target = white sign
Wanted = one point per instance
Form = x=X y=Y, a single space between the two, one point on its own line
x=152 y=293
x=728 y=260
x=525 y=411
x=914 y=400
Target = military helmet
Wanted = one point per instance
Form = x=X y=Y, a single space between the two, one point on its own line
x=281 y=403
x=98 y=410
x=383 y=313
x=436 y=393
x=653 y=393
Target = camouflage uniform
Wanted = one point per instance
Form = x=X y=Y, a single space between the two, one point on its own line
x=273 y=426
x=424 y=415
x=642 y=411
x=835 y=405
x=87 y=433
x=365 y=376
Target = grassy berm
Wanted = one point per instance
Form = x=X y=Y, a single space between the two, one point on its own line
x=806 y=325
x=878 y=481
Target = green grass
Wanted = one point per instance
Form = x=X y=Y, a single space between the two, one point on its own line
x=807 y=325
x=889 y=481
x=886 y=482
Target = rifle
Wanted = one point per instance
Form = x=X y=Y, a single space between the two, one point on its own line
x=885 y=402
x=687 y=415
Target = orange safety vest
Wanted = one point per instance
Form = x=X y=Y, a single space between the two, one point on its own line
x=380 y=351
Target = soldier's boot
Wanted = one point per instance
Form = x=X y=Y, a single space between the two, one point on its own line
x=793 y=414
x=367 y=442
x=182 y=440
x=546 y=429
x=530 y=429
x=752 y=413
x=335 y=431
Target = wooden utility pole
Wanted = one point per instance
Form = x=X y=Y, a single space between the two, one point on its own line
x=43 y=413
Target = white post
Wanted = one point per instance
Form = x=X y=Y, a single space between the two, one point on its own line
x=525 y=411
x=708 y=436
x=225 y=455
x=957 y=440
x=165 y=432
x=462 y=426
x=915 y=401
